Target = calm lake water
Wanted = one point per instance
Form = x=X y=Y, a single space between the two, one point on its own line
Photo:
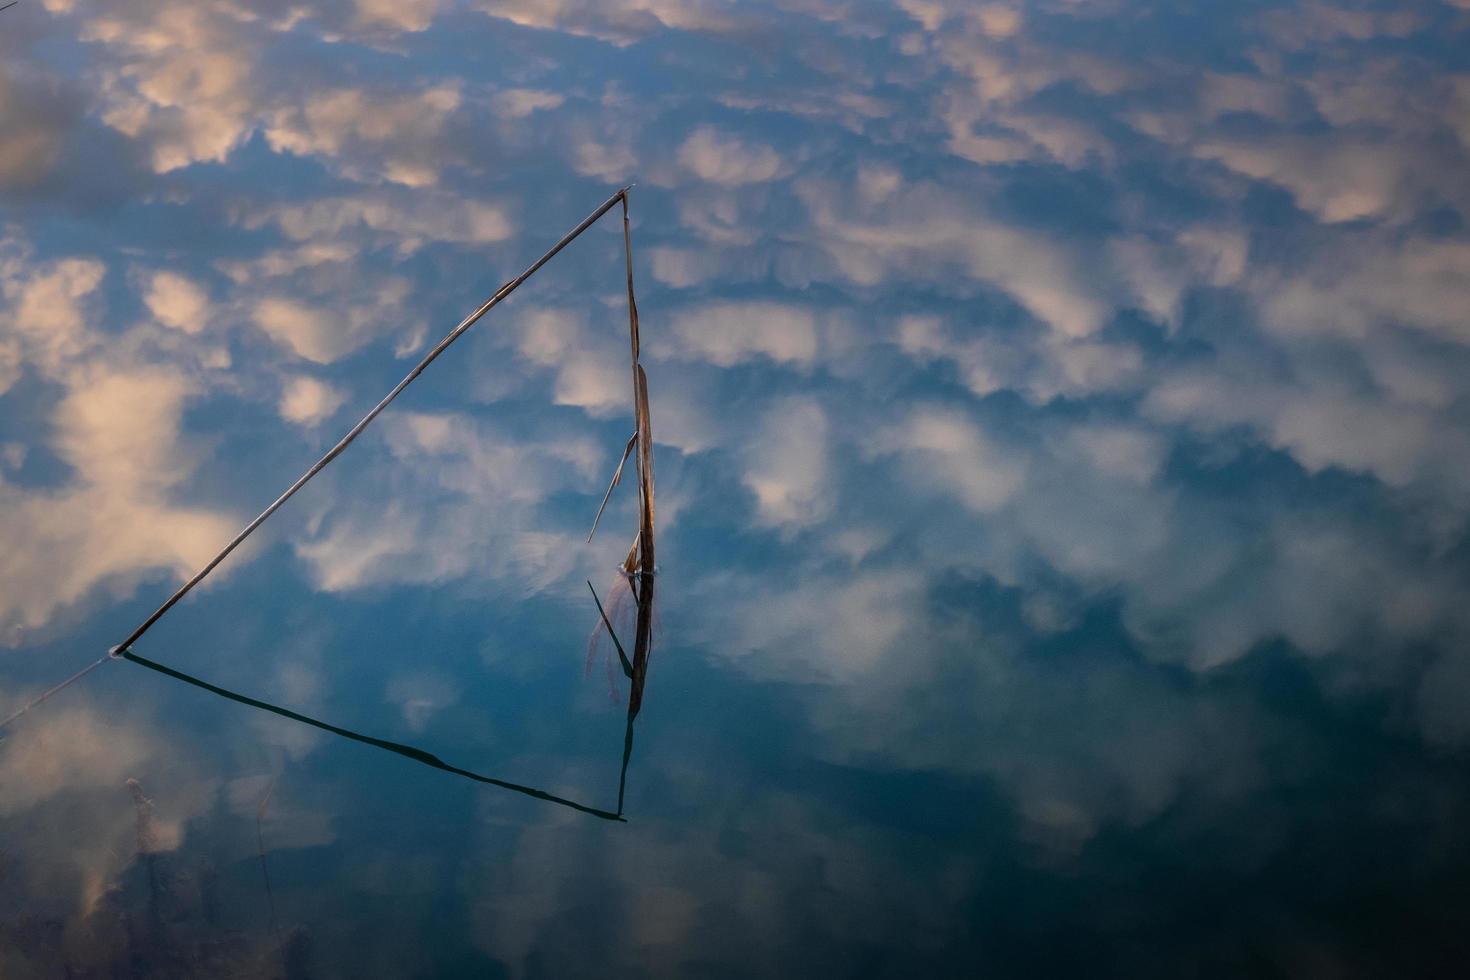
x=1062 y=438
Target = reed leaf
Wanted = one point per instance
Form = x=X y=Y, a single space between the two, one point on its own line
x=617 y=478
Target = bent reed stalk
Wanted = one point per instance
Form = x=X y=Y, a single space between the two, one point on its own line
x=645 y=454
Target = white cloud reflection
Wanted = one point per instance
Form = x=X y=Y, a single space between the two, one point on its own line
x=952 y=290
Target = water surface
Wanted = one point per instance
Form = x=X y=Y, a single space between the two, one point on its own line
x=1063 y=467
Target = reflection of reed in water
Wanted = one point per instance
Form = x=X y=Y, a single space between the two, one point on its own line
x=642 y=648
x=160 y=947
x=602 y=642
x=173 y=932
x=640 y=588
x=397 y=748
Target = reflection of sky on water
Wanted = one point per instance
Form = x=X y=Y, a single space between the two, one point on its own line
x=1064 y=467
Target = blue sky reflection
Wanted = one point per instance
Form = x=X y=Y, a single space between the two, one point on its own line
x=1063 y=427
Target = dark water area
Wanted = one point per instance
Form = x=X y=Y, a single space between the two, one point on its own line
x=988 y=800
x=1061 y=414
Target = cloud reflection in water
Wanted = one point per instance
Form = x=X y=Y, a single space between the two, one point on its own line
x=1065 y=472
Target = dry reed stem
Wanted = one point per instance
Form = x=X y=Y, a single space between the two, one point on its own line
x=644 y=563
x=616 y=479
